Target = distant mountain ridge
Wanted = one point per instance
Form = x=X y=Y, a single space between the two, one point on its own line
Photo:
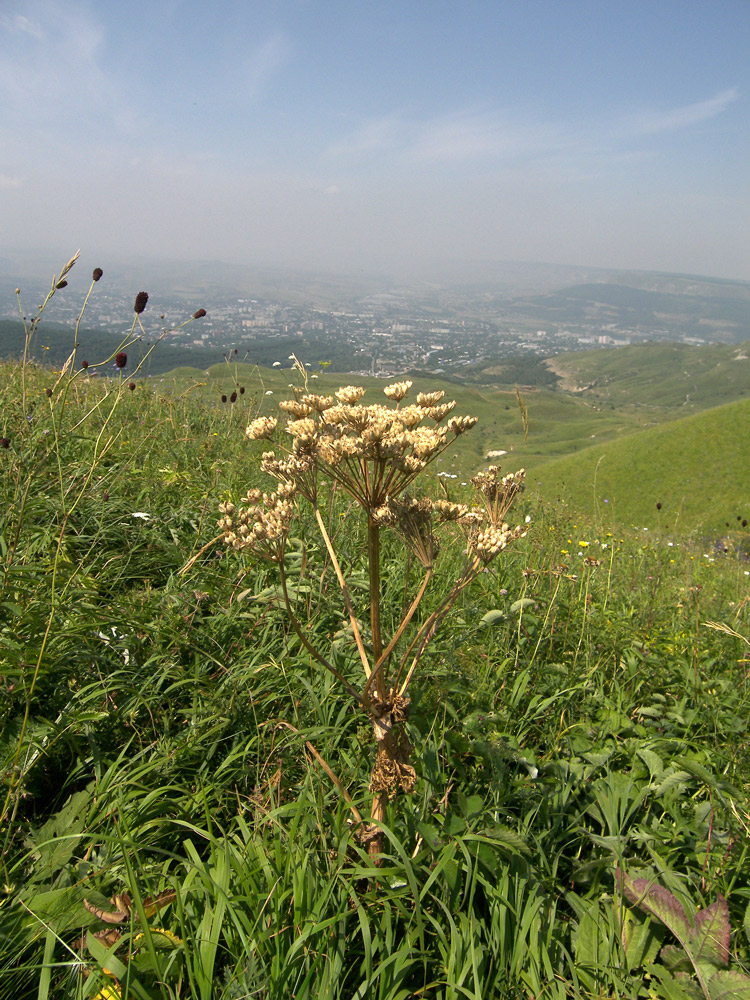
x=690 y=314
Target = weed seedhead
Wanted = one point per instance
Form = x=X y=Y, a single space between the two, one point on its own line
x=373 y=454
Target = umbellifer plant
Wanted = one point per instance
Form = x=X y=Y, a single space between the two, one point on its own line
x=374 y=454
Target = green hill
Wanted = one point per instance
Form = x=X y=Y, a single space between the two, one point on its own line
x=659 y=375
x=697 y=469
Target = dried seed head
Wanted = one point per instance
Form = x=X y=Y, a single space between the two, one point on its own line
x=397 y=390
x=301 y=428
x=141 y=300
x=428 y=399
x=459 y=425
x=96 y=276
x=262 y=427
x=199 y=314
x=61 y=284
x=295 y=408
x=349 y=394
x=438 y=413
x=319 y=403
x=448 y=511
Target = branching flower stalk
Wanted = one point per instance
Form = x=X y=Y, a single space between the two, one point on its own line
x=374 y=454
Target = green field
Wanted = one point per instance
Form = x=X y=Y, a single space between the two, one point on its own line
x=187 y=741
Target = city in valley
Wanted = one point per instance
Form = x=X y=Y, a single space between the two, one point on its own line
x=377 y=326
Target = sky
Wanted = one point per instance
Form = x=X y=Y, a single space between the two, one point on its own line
x=371 y=135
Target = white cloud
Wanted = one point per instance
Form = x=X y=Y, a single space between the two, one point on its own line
x=18 y=23
x=651 y=122
x=262 y=64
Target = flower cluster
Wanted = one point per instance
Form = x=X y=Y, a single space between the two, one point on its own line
x=374 y=453
x=263 y=526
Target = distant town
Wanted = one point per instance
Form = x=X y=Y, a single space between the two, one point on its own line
x=426 y=327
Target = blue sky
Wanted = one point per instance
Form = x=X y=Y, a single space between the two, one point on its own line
x=370 y=135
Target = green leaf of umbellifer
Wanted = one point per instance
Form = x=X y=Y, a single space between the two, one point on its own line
x=711 y=933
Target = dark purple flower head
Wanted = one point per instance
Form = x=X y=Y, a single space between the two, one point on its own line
x=199 y=314
x=223 y=399
x=233 y=398
x=48 y=392
x=61 y=284
x=121 y=359
x=84 y=364
x=658 y=504
x=242 y=390
x=4 y=442
x=131 y=386
x=141 y=301
x=97 y=273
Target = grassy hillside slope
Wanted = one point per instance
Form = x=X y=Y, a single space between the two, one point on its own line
x=697 y=469
x=657 y=375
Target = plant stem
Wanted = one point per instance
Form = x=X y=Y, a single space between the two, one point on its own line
x=373 y=560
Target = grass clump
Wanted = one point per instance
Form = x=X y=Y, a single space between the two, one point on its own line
x=174 y=754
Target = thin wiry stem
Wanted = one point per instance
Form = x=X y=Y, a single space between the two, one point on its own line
x=331 y=774
x=429 y=627
x=345 y=592
x=397 y=635
x=373 y=560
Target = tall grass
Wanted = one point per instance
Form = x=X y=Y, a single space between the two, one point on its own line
x=164 y=731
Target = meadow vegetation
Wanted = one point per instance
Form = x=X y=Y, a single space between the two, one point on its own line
x=185 y=785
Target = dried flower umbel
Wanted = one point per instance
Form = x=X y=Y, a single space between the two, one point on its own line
x=374 y=454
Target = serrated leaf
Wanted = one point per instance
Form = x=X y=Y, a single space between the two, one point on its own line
x=711 y=934
x=697 y=770
x=658 y=902
x=650 y=713
x=678 y=987
x=672 y=781
x=653 y=762
x=727 y=984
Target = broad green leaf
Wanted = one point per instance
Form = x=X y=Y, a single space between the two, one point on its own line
x=711 y=935
x=727 y=984
x=653 y=762
x=659 y=902
x=640 y=943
